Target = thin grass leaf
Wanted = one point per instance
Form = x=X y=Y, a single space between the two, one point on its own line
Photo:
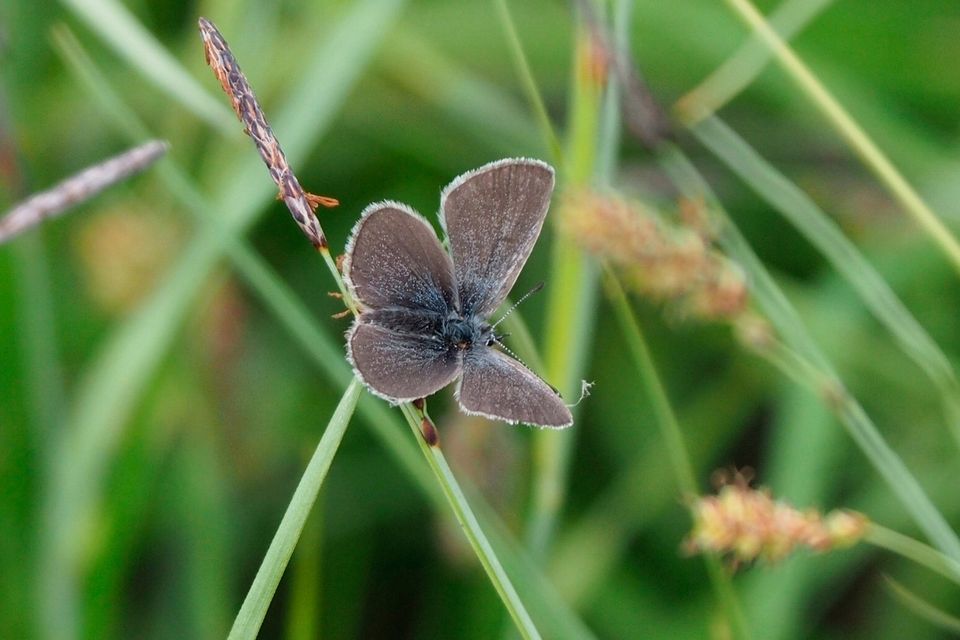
x=486 y=113
x=672 y=437
x=38 y=340
x=46 y=405
x=255 y=605
x=553 y=615
x=471 y=528
x=739 y=70
x=914 y=550
x=852 y=133
x=571 y=306
x=134 y=43
x=932 y=614
x=529 y=82
x=808 y=364
x=800 y=210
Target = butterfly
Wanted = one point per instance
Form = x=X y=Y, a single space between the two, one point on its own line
x=424 y=318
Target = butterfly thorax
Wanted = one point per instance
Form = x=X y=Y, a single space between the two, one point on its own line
x=463 y=333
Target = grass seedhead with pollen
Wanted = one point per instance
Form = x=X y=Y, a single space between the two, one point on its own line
x=747 y=524
x=666 y=262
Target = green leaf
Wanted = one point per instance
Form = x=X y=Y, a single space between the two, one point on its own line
x=255 y=605
x=130 y=39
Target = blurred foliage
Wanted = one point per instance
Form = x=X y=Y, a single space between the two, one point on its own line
x=217 y=438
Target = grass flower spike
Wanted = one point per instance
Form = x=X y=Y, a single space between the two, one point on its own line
x=666 y=262
x=748 y=524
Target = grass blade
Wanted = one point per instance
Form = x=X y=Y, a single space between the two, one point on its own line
x=740 y=69
x=922 y=608
x=471 y=528
x=806 y=363
x=826 y=236
x=529 y=82
x=852 y=133
x=571 y=311
x=676 y=448
x=131 y=40
x=255 y=605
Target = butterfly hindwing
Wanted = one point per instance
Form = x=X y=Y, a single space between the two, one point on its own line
x=399 y=365
x=497 y=386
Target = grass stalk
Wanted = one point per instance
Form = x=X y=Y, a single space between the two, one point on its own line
x=59 y=610
x=676 y=448
x=914 y=550
x=570 y=306
x=801 y=211
x=751 y=58
x=815 y=371
x=471 y=528
x=121 y=30
x=255 y=605
x=529 y=82
x=852 y=133
x=923 y=608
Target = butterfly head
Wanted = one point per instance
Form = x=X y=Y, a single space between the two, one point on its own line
x=462 y=333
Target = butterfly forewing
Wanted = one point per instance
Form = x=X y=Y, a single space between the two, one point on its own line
x=492 y=217
x=497 y=386
x=394 y=259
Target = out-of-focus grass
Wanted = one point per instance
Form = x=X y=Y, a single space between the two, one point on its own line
x=210 y=443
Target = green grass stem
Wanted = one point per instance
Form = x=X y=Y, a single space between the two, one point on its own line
x=914 y=550
x=750 y=59
x=255 y=604
x=815 y=370
x=923 y=608
x=121 y=30
x=801 y=211
x=529 y=82
x=852 y=133
x=471 y=528
x=676 y=448
x=570 y=312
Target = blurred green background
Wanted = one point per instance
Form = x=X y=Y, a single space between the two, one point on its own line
x=156 y=414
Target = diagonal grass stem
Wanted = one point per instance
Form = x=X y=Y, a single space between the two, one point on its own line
x=255 y=605
x=852 y=133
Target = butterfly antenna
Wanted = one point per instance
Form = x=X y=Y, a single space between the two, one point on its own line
x=496 y=339
x=516 y=304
